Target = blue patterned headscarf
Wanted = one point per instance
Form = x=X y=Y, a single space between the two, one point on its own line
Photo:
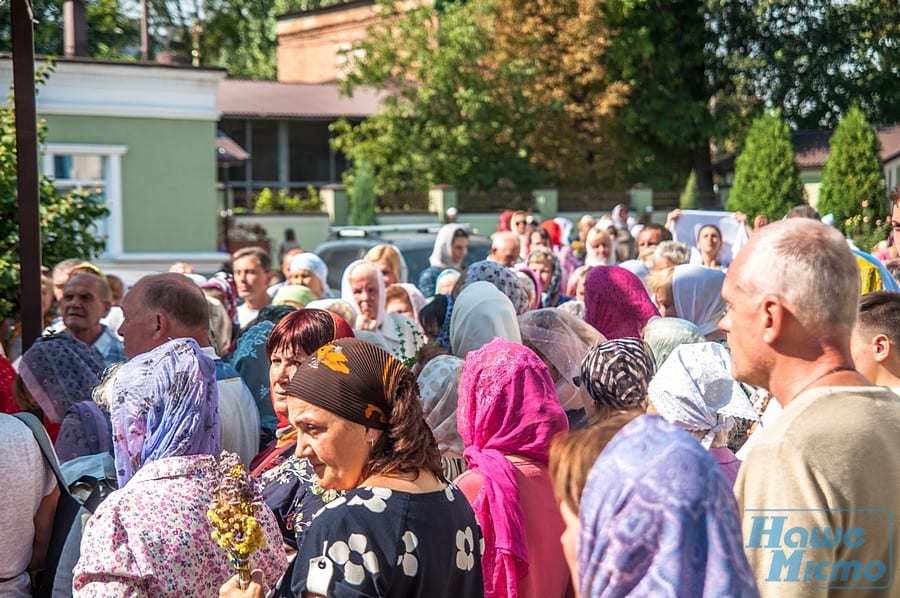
x=659 y=518
x=60 y=371
x=164 y=404
x=443 y=339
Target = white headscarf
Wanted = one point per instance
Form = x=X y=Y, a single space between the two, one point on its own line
x=345 y=309
x=347 y=292
x=416 y=298
x=399 y=335
x=438 y=387
x=481 y=313
x=562 y=340
x=442 y=254
x=566 y=225
x=664 y=334
x=697 y=295
x=695 y=391
x=313 y=263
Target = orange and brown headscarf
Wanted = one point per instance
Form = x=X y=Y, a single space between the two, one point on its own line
x=350 y=378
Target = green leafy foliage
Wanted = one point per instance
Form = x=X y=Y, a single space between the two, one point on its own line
x=442 y=122
x=594 y=95
x=66 y=220
x=284 y=201
x=813 y=59
x=113 y=29
x=659 y=49
x=852 y=180
x=236 y=34
x=766 y=178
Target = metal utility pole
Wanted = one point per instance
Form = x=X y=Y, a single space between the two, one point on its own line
x=27 y=169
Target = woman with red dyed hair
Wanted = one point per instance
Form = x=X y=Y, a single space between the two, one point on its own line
x=289 y=485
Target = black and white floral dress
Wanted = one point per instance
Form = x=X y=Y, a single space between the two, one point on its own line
x=380 y=542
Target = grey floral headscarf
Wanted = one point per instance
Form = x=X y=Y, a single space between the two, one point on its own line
x=501 y=277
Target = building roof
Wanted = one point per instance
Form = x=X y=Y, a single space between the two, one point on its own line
x=890 y=142
x=331 y=6
x=273 y=99
x=811 y=148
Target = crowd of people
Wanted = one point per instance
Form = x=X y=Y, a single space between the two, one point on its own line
x=600 y=408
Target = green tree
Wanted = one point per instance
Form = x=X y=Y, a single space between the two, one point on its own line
x=442 y=121
x=361 y=190
x=659 y=50
x=766 y=178
x=813 y=59
x=852 y=179
x=113 y=29
x=689 y=199
x=67 y=220
x=238 y=35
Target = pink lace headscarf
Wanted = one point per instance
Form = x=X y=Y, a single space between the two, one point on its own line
x=507 y=406
x=616 y=302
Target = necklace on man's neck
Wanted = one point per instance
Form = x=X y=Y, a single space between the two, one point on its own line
x=840 y=368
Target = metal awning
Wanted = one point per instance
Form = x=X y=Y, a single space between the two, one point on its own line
x=228 y=151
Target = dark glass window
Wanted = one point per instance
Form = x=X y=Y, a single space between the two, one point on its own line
x=309 y=152
x=264 y=150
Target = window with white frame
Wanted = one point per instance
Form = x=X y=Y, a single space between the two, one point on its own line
x=94 y=169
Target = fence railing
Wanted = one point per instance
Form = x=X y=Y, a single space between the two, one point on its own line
x=669 y=200
x=494 y=200
x=403 y=201
x=590 y=200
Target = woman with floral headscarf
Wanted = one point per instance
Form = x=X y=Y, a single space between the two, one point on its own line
x=689 y=543
x=438 y=388
x=695 y=391
x=501 y=277
x=57 y=372
x=221 y=286
x=152 y=537
x=507 y=416
x=545 y=264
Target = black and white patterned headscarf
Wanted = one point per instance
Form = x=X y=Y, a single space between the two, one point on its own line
x=616 y=373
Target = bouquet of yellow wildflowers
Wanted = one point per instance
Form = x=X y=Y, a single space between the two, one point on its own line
x=231 y=514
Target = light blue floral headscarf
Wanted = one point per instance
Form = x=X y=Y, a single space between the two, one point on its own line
x=659 y=518
x=164 y=404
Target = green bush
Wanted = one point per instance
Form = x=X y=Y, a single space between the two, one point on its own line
x=361 y=190
x=852 y=179
x=766 y=178
x=283 y=201
x=690 y=199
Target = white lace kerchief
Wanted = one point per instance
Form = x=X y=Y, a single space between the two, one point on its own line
x=694 y=390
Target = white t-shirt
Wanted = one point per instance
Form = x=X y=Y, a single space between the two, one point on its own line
x=245 y=315
x=238 y=416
